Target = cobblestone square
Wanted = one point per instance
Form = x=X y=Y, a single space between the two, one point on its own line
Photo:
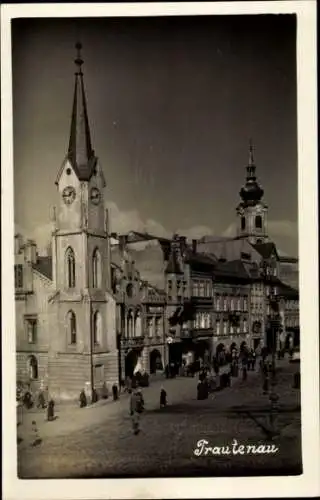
x=98 y=441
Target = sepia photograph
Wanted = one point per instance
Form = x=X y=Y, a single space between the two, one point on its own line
x=156 y=246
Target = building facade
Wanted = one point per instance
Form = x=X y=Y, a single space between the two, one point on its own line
x=92 y=313
x=140 y=320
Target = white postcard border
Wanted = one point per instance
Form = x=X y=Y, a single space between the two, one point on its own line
x=296 y=486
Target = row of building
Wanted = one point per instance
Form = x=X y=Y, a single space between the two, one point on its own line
x=101 y=305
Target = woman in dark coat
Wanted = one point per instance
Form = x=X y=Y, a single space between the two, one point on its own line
x=50 y=410
x=83 y=399
x=163 y=398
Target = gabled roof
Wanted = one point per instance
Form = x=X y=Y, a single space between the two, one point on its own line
x=228 y=248
x=266 y=249
x=198 y=260
x=135 y=236
x=231 y=269
x=283 y=289
x=44 y=266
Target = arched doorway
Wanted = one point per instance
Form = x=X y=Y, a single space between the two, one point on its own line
x=202 y=351
x=155 y=361
x=131 y=360
x=33 y=367
x=233 y=351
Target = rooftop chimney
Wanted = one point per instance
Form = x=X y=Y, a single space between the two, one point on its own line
x=31 y=252
x=18 y=243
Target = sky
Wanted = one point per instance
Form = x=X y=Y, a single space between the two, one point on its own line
x=172 y=104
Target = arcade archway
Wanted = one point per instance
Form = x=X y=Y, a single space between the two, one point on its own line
x=221 y=353
x=155 y=361
x=202 y=350
x=131 y=360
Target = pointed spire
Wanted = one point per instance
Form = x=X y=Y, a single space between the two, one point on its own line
x=251 y=168
x=80 y=152
x=251 y=160
x=251 y=191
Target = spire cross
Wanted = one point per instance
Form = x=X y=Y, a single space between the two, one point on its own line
x=79 y=61
x=251 y=160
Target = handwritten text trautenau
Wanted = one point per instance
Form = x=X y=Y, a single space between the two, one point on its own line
x=203 y=448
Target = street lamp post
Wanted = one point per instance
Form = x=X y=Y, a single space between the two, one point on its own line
x=273 y=396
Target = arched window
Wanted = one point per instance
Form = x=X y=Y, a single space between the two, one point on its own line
x=150 y=328
x=33 y=367
x=158 y=326
x=97 y=328
x=258 y=221
x=243 y=223
x=70 y=268
x=138 y=329
x=96 y=269
x=130 y=325
x=72 y=327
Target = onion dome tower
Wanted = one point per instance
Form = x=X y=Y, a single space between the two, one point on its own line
x=251 y=211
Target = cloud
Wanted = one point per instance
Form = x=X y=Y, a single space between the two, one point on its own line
x=40 y=234
x=196 y=232
x=124 y=221
x=131 y=220
x=231 y=231
x=283 y=228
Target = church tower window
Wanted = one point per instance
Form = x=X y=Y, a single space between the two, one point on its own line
x=96 y=269
x=72 y=327
x=70 y=268
x=97 y=328
x=243 y=223
x=258 y=222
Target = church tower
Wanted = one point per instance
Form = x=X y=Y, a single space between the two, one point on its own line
x=251 y=211
x=83 y=341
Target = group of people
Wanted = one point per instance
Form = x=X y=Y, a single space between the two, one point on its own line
x=223 y=368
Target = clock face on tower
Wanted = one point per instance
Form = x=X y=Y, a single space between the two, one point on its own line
x=68 y=195
x=95 y=195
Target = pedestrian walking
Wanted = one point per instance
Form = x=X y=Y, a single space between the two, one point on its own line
x=136 y=408
x=254 y=359
x=115 y=392
x=83 y=399
x=163 y=398
x=244 y=367
x=50 y=410
x=105 y=393
x=41 y=400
